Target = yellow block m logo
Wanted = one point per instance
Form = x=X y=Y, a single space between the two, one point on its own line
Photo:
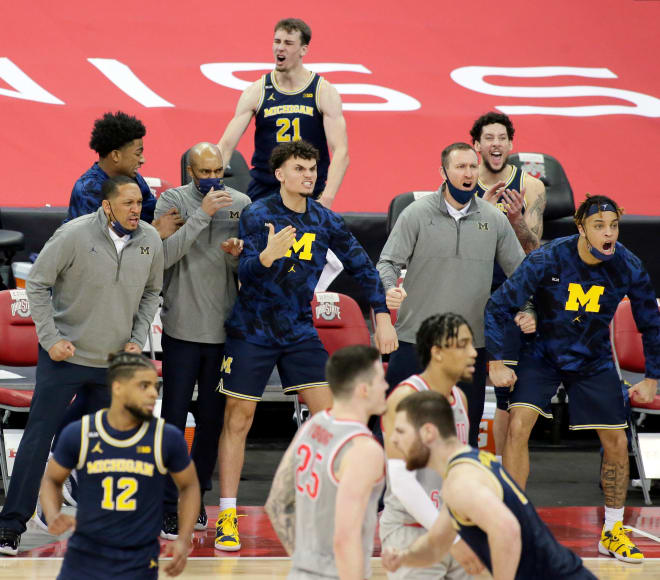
x=304 y=244
x=578 y=297
x=225 y=367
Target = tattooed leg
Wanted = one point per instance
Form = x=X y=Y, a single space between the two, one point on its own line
x=615 y=469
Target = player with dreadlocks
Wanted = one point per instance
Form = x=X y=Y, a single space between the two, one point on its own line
x=412 y=499
x=577 y=283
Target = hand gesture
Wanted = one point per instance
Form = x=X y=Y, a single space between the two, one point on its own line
x=215 y=200
x=179 y=550
x=644 y=391
x=132 y=347
x=514 y=202
x=278 y=244
x=168 y=223
x=493 y=193
x=61 y=524
x=385 y=336
x=526 y=322
x=61 y=350
x=501 y=375
x=394 y=297
x=233 y=246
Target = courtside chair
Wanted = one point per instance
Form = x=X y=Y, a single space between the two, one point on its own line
x=339 y=322
x=628 y=354
x=18 y=348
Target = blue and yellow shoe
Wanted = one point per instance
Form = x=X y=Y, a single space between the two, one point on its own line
x=226 y=531
x=616 y=543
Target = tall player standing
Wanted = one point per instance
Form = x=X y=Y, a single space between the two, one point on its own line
x=521 y=197
x=288 y=104
x=577 y=283
x=286 y=238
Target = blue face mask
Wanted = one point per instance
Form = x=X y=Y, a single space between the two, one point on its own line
x=120 y=230
x=460 y=195
x=209 y=183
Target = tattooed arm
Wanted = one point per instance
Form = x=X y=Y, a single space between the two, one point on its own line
x=528 y=226
x=281 y=503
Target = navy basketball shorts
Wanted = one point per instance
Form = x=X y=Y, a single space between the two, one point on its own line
x=594 y=402
x=111 y=563
x=512 y=344
x=246 y=367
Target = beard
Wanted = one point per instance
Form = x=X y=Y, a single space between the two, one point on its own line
x=491 y=168
x=418 y=455
x=139 y=414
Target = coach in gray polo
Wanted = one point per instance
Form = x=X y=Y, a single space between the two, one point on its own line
x=93 y=290
x=448 y=241
x=199 y=291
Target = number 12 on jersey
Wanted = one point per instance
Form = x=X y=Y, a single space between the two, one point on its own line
x=123 y=501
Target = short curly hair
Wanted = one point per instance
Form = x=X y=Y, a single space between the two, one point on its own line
x=113 y=131
x=489 y=119
x=285 y=151
x=582 y=212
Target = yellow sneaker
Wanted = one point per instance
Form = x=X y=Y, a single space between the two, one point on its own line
x=616 y=543
x=226 y=531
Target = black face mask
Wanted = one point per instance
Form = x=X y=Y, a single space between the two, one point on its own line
x=120 y=230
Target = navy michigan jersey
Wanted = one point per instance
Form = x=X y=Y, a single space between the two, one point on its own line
x=515 y=181
x=121 y=478
x=542 y=557
x=284 y=116
x=273 y=305
x=575 y=303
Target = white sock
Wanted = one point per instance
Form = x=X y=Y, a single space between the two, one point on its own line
x=612 y=516
x=498 y=458
x=227 y=502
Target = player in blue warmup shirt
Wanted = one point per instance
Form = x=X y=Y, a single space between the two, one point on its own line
x=577 y=283
x=481 y=502
x=122 y=455
x=286 y=237
x=288 y=104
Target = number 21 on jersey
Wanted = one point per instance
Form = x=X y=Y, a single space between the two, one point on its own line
x=284 y=124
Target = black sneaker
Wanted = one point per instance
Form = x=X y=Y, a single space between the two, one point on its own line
x=9 y=540
x=170 y=528
x=202 y=520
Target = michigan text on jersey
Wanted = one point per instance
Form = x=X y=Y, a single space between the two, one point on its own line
x=120 y=465
x=288 y=109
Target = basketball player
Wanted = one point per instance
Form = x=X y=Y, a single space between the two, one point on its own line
x=412 y=498
x=122 y=455
x=286 y=237
x=481 y=502
x=522 y=199
x=288 y=104
x=324 y=499
x=577 y=283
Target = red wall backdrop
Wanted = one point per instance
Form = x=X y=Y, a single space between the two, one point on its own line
x=409 y=47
